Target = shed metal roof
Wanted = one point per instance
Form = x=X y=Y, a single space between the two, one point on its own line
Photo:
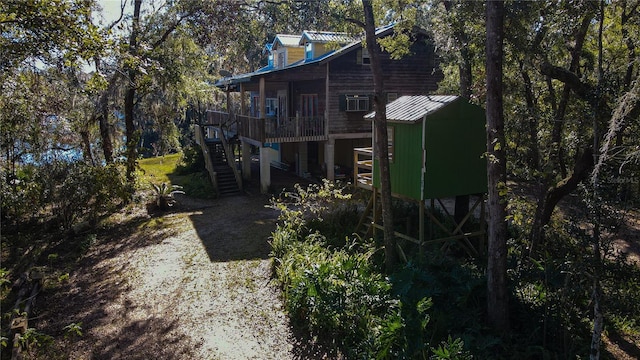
x=414 y=108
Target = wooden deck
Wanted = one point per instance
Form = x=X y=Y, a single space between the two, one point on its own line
x=272 y=130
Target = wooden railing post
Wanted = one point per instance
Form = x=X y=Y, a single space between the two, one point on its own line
x=207 y=157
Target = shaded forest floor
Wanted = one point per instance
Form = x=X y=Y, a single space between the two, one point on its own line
x=194 y=283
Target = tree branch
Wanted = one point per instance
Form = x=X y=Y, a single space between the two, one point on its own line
x=583 y=90
x=170 y=29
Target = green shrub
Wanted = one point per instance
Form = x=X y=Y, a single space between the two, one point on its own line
x=63 y=193
x=191 y=161
x=164 y=195
x=335 y=289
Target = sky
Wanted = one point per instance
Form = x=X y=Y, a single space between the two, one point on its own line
x=111 y=9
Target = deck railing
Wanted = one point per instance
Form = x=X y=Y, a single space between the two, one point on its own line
x=282 y=130
x=363 y=167
x=217 y=118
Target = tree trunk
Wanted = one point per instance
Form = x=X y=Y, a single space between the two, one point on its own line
x=556 y=132
x=552 y=196
x=132 y=138
x=497 y=294
x=86 y=147
x=381 y=138
x=102 y=115
x=534 y=158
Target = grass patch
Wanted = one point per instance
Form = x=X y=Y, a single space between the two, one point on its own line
x=163 y=169
x=157 y=170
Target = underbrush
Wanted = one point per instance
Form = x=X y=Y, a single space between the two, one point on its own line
x=53 y=213
x=334 y=287
x=433 y=306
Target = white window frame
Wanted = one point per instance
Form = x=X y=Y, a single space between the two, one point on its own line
x=308 y=51
x=271 y=106
x=357 y=103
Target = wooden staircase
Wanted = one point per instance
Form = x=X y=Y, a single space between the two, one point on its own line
x=226 y=178
x=371 y=215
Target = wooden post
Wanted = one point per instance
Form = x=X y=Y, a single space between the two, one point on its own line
x=421 y=226
x=246 y=160
x=263 y=98
x=329 y=158
x=243 y=103
x=265 y=171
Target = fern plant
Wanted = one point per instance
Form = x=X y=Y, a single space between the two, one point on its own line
x=165 y=195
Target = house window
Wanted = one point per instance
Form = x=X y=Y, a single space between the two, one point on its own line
x=357 y=103
x=391 y=97
x=309 y=105
x=271 y=106
x=308 y=51
x=270 y=60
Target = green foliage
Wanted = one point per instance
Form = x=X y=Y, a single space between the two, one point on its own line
x=191 y=161
x=452 y=349
x=164 y=195
x=62 y=192
x=39 y=28
x=169 y=169
x=35 y=342
x=73 y=330
x=337 y=290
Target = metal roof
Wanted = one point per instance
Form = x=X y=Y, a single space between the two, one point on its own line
x=246 y=77
x=414 y=108
x=327 y=36
x=287 y=40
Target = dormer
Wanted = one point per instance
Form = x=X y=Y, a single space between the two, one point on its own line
x=319 y=43
x=286 y=50
x=268 y=50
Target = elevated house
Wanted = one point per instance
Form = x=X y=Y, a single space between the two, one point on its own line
x=305 y=110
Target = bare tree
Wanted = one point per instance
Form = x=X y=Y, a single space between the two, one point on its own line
x=381 y=137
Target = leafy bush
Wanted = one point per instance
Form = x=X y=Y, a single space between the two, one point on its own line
x=336 y=289
x=164 y=195
x=63 y=192
x=191 y=161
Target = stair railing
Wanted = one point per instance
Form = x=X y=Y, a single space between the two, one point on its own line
x=208 y=164
x=230 y=158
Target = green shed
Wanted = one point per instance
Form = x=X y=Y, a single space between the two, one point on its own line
x=436 y=147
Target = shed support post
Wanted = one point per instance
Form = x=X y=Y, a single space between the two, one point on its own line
x=246 y=160
x=421 y=226
x=329 y=158
x=265 y=170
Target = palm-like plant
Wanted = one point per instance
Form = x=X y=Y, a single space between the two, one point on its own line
x=164 y=195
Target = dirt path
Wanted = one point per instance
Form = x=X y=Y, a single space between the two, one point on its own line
x=192 y=284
